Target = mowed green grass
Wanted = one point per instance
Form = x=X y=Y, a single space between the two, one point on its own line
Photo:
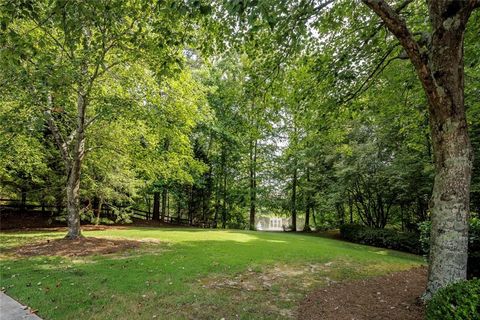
x=188 y=274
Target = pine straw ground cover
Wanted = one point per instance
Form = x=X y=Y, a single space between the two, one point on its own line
x=182 y=273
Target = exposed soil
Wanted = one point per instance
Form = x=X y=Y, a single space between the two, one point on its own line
x=74 y=248
x=275 y=290
x=27 y=221
x=391 y=297
x=305 y=276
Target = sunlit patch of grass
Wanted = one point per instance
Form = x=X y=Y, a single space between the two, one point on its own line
x=10 y=239
x=165 y=277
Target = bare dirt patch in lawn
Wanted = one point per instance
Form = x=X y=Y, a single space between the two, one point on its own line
x=390 y=297
x=74 y=248
x=272 y=290
x=280 y=274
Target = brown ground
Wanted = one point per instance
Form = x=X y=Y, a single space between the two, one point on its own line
x=74 y=248
x=390 y=297
x=27 y=221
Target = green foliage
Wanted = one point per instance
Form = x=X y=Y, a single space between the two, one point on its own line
x=425 y=228
x=227 y=105
x=458 y=301
x=384 y=238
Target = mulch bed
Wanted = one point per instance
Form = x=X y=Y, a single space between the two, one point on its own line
x=391 y=297
x=74 y=248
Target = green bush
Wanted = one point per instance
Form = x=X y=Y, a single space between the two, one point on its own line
x=459 y=301
x=473 y=244
x=384 y=238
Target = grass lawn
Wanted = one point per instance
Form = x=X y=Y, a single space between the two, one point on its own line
x=188 y=274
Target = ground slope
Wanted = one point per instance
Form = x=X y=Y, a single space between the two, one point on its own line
x=185 y=273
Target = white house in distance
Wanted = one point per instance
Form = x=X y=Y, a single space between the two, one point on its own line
x=272 y=223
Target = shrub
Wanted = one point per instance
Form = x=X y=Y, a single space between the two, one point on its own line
x=473 y=244
x=384 y=238
x=457 y=301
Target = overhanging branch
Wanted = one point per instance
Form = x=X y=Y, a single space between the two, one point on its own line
x=395 y=23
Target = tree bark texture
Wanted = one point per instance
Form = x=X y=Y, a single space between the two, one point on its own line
x=440 y=69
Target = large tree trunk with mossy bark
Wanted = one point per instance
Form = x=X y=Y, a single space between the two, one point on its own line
x=453 y=154
x=440 y=69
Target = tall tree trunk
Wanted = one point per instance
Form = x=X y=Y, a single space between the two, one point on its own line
x=168 y=205
x=350 y=209
x=224 y=206
x=308 y=204
x=59 y=203
x=164 y=203
x=23 y=203
x=440 y=69
x=191 y=206
x=148 y=202
x=217 y=202
x=253 y=183
x=73 y=182
x=453 y=157
x=156 y=206
x=294 y=197
x=179 y=210
x=96 y=210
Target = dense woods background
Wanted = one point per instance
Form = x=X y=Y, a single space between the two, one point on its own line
x=325 y=128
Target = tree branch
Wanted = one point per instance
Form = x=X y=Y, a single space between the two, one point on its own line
x=70 y=138
x=395 y=23
x=57 y=136
x=381 y=65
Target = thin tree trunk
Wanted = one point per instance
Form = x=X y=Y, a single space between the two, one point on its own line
x=164 y=203
x=224 y=206
x=156 y=206
x=313 y=216
x=402 y=217
x=148 y=202
x=59 y=203
x=350 y=207
x=217 y=202
x=308 y=204
x=168 y=205
x=253 y=183
x=191 y=206
x=23 y=203
x=294 y=198
x=73 y=182
x=179 y=210
x=99 y=210
x=307 y=218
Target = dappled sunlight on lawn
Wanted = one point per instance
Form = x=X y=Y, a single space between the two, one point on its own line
x=201 y=270
x=176 y=236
